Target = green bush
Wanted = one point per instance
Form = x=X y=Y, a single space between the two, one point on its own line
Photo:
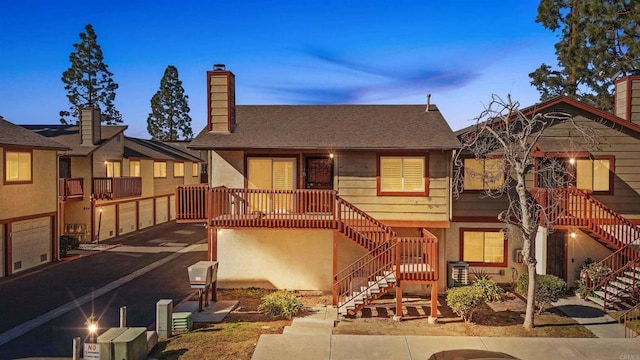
x=281 y=303
x=68 y=242
x=549 y=288
x=465 y=300
x=596 y=271
x=491 y=290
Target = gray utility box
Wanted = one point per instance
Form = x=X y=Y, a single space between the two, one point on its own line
x=202 y=274
x=123 y=344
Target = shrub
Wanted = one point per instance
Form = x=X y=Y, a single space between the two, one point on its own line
x=465 y=300
x=281 y=303
x=68 y=242
x=597 y=272
x=491 y=291
x=549 y=288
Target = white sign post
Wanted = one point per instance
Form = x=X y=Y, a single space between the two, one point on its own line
x=91 y=351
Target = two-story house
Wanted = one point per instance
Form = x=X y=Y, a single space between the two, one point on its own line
x=591 y=199
x=111 y=185
x=352 y=199
x=28 y=199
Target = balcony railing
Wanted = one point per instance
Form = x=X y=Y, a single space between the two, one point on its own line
x=71 y=188
x=116 y=188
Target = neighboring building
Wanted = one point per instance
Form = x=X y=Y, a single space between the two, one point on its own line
x=108 y=183
x=308 y=197
x=28 y=199
x=595 y=199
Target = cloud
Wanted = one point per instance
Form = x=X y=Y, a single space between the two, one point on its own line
x=360 y=82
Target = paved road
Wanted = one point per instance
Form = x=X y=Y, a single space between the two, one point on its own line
x=43 y=310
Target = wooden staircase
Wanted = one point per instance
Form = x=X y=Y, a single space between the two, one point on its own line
x=577 y=208
x=390 y=260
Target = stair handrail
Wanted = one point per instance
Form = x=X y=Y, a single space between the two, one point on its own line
x=369 y=267
x=346 y=206
x=618 y=262
x=621 y=220
x=628 y=315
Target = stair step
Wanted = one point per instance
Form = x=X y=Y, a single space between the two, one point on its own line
x=600 y=302
x=610 y=297
x=313 y=323
x=622 y=285
x=304 y=330
x=631 y=274
x=615 y=291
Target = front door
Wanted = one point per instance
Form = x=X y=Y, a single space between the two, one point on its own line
x=556 y=254
x=319 y=176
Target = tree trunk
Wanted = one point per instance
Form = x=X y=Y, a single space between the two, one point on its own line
x=529 y=230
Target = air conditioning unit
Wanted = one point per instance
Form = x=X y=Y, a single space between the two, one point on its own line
x=458 y=272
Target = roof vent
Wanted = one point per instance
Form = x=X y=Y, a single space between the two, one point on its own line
x=428 y=102
x=219 y=67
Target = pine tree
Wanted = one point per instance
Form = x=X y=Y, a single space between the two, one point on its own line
x=169 y=109
x=598 y=43
x=88 y=81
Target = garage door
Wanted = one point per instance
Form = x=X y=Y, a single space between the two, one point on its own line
x=162 y=210
x=127 y=217
x=31 y=243
x=172 y=207
x=145 y=208
x=108 y=222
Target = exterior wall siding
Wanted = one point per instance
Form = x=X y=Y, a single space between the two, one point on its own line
x=38 y=197
x=111 y=151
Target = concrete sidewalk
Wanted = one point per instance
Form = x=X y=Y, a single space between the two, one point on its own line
x=354 y=347
x=610 y=343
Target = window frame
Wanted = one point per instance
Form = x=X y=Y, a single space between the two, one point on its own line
x=5 y=180
x=195 y=169
x=612 y=171
x=505 y=249
x=174 y=169
x=484 y=187
x=424 y=192
x=154 y=169
x=131 y=162
x=296 y=167
x=113 y=162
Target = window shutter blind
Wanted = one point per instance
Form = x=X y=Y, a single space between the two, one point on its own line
x=413 y=171
x=391 y=174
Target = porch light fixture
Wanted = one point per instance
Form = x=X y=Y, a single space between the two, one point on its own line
x=330 y=155
x=573 y=234
x=572 y=161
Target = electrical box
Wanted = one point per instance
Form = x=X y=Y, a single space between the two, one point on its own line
x=458 y=273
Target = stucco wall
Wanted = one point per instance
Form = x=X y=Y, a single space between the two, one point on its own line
x=452 y=253
x=578 y=250
x=226 y=169
x=283 y=259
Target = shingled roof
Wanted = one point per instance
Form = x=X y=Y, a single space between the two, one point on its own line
x=347 y=127
x=15 y=135
x=69 y=135
x=154 y=149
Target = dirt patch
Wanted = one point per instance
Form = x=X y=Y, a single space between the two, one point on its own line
x=237 y=336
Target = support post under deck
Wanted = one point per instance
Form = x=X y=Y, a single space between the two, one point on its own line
x=433 y=317
x=212 y=243
x=335 y=268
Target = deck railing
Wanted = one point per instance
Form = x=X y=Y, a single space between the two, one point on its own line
x=116 y=188
x=71 y=188
x=575 y=207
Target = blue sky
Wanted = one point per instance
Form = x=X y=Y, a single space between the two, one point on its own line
x=282 y=52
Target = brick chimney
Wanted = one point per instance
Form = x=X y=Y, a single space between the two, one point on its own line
x=89 y=126
x=221 y=97
x=627 y=98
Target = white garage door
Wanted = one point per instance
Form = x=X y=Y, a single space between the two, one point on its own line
x=162 y=210
x=145 y=215
x=31 y=243
x=127 y=217
x=107 y=223
x=172 y=207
